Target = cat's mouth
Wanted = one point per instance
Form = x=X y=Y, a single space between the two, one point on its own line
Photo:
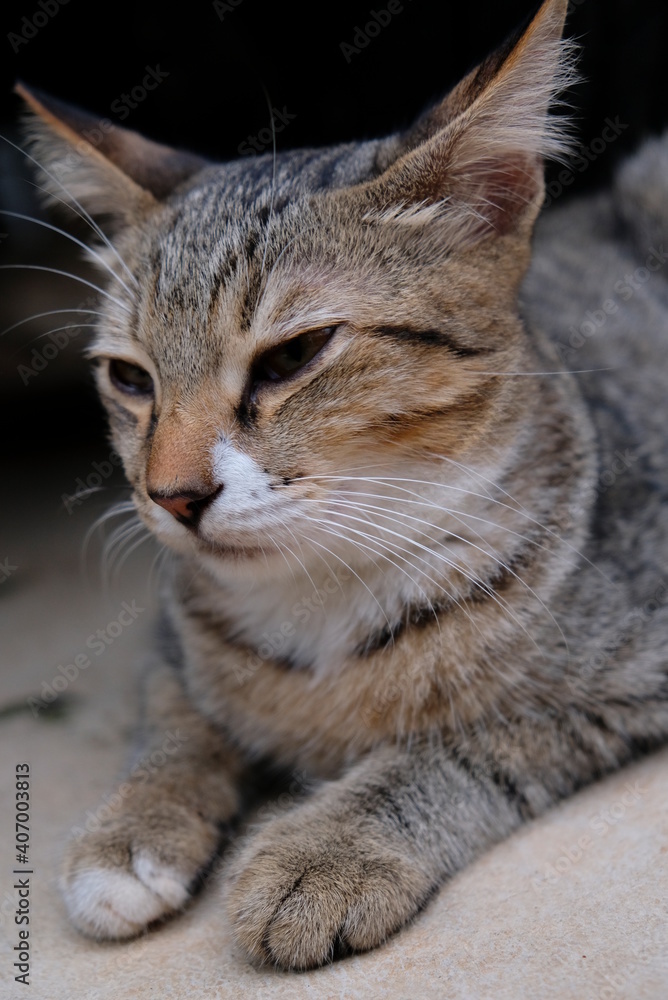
x=198 y=539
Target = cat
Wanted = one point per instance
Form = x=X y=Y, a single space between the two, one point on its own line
x=396 y=570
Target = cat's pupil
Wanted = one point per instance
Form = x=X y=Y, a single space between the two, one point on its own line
x=294 y=350
x=293 y=355
x=130 y=378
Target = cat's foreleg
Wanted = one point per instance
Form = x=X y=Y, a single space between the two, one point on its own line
x=360 y=858
x=137 y=858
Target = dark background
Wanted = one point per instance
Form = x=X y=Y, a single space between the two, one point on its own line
x=221 y=66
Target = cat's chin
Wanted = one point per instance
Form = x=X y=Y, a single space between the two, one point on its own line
x=191 y=544
x=225 y=563
x=237 y=553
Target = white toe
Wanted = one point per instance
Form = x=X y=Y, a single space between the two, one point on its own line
x=109 y=903
x=164 y=881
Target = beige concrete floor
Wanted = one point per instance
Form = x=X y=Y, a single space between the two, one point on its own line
x=573 y=906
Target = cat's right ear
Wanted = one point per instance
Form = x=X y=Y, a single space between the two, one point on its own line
x=108 y=170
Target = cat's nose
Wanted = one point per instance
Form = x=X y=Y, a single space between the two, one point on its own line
x=186 y=506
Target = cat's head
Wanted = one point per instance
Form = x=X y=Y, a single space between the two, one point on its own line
x=275 y=325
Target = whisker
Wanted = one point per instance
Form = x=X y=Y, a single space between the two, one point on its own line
x=56 y=329
x=428 y=503
x=477 y=582
x=278 y=545
x=118 y=510
x=509 y=570
x=523 y=509
x=70 y=326
x=457 y=603
x=518 y=509
x=98 y=232
x=563 y=371
x=301 y=563
x=157 y=568
x=113 y=548
x=123 y=558
x=66 y=274
x=89 y=250
x=491 y=553
x=273 y=177
x=81 y=213
x=329 y=568
x=49 y=312
x=377 y=541
x=471 y=576
x=88 y=492
x=313 y=541
x=382 y=555
x=398 y=517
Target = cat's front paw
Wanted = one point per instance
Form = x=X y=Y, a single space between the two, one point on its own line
x=136 y=869
x=302 y=894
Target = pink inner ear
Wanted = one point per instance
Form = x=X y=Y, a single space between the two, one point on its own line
x=499 y=189
x=496 y=189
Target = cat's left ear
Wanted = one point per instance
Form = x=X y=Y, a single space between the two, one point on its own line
x=475 y=161
x=107 y=169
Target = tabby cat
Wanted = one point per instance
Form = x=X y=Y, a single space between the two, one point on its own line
x=395 y=570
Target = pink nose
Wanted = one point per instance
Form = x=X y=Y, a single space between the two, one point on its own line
x=186 y=507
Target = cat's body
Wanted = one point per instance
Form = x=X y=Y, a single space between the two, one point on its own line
x=399 y=570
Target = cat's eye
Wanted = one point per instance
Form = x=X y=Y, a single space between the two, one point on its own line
x=280 y=362
x=130 y=378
